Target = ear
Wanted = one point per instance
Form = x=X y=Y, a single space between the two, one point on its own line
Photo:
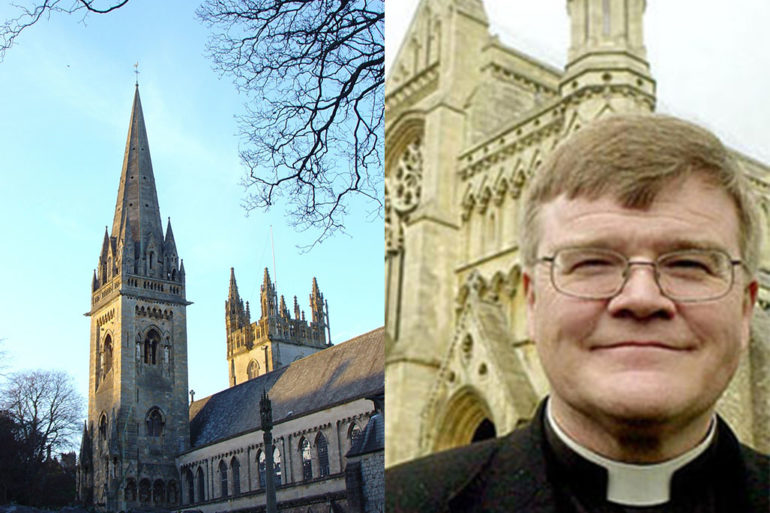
x=528 y=282
x=749 y=300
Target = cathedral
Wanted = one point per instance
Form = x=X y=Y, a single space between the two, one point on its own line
x=144 y=445
x=468 y=121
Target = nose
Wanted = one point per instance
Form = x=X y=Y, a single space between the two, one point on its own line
x=641 y=296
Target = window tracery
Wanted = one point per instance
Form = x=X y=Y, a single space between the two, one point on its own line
x=403 y=189
x=307 y=465
x=154 y=422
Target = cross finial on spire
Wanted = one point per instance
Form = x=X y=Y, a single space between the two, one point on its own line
x=136 y=70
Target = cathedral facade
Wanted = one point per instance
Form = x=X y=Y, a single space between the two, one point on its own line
x=145 y=446
x=468 y=121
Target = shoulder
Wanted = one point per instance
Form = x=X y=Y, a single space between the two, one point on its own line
x=757 y=467
x=433 y=482
x=752 y=477
x=427 y=484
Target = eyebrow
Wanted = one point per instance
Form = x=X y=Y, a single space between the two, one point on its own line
x=664 y=246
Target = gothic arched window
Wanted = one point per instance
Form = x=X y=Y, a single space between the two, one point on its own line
x=107 y=354
x=323 y=454
x=222 y=479
x=277 y=466
x=307 y=465
x=151 y=342
x=261 y=467
x=252 y=371
x=144 y=491
x=354 y=432
x=154 y=422
x=201 y=482
x=188 y=478
x=235 y=468
x=130 y=491
x=103 y=427
x=158 y=492
x=171 y=497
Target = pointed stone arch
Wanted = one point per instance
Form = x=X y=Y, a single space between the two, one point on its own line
x=155 y=421
x=465 y=411
x=485 y=374
x=519 y=178
x=151 y=340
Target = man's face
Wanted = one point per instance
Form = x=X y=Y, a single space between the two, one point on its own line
x=640 y=355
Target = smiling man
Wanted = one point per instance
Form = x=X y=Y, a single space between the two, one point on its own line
x=640 y=241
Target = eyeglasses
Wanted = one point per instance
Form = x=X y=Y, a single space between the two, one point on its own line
x=684 y=276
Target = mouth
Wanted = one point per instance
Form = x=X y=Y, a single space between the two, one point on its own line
x=640 y=344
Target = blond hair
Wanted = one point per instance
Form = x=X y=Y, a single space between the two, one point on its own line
x=632 y=158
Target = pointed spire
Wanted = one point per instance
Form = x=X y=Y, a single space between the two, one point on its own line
x=282 y=307
x=169 y=242
x=233 y=293
x=267 y=296
x=316 y=303
x=235 y=317
x=105 y=243
x=315 y=287
x=85 y=447
x=137 y=200
x=94 y=282
x=296 y=308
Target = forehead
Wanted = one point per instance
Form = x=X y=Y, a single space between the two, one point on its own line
x=688 y=213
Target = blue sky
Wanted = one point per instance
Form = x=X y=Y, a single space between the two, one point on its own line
x=67 y=89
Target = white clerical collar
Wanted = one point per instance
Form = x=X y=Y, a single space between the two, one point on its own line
x=635 y=485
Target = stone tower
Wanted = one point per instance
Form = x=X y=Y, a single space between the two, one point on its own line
x=137 y=396
x=607 y=70
x=279 y=336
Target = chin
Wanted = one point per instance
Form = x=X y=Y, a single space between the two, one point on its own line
x=646 y=399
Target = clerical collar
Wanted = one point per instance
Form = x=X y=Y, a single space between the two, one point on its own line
x=630 y=484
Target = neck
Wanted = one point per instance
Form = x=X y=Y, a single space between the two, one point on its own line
x=631 y=440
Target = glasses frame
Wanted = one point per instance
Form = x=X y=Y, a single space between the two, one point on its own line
x=627 y=273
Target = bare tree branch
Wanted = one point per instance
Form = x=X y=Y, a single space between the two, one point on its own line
x=11 y=29
x=313 y=128
x=314 y=73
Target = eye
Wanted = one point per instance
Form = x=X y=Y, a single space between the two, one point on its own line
x=588 y=262
x=689 y=264
x=593 y=262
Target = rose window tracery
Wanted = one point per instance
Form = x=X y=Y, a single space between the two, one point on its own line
x=406 y=180
x=402 y=193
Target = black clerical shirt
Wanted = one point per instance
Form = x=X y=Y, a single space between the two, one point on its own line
x=531 y=471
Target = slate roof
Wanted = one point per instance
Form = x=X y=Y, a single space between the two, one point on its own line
x=342 y=373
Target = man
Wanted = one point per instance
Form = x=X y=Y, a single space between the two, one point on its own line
x=640 y=241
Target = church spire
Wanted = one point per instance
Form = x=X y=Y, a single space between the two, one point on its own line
x=235 y=315
x=317 y=304
x=137 y=198
x=268 y=297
